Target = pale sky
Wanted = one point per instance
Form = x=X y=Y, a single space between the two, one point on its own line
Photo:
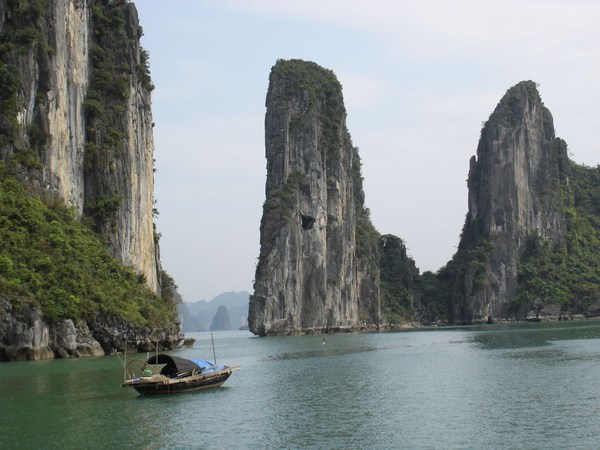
x=419 y=78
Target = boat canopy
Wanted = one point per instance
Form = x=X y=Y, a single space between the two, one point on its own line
x=175 y=365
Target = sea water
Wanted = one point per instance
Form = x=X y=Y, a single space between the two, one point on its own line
x=530 y=386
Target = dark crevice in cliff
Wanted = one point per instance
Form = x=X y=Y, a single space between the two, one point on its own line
x=307 y=222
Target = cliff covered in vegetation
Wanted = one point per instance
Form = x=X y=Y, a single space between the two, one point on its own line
x=76 y=133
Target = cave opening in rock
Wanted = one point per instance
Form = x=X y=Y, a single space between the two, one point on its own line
x=307 y=222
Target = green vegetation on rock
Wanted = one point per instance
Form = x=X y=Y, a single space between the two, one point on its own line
x=398 y=273
x=21 y=31
x=473 y=258
x=278 y=209
x=567 y=273
x=114 y=68
x=308 y=77
x=509 y=110
x=50 y=260
x=366 y=235
x=406 y=296
x=108 y=90
x=321 y=88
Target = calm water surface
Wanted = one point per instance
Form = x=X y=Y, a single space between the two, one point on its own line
x=530 y=386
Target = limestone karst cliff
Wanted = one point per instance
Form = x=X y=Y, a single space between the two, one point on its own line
x=318 y=264
x=514 y=196
x=76 y=116
x=76 y=131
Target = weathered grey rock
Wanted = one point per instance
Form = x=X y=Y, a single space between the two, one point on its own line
x=112 y=334
x=513 y=194
x=187 y=342
x=309 y=277
x=25 y=336
x=550 y=312
x=70 y=340
x=65 y=338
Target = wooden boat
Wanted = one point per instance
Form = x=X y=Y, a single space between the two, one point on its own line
x=166 y=374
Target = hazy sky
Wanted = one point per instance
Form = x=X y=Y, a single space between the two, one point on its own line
x=419 y=78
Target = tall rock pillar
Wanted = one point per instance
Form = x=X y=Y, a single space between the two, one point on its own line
x=513 y=194
x=308 y=277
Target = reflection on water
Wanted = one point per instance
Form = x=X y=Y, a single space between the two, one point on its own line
x=534 y=334
x=321 y=353
x=498 y=386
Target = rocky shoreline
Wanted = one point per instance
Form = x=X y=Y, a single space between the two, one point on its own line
x=25 y=336
x=563 y=317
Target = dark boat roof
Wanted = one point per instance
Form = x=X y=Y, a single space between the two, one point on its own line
x=174 y=363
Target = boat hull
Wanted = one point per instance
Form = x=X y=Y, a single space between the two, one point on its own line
x=164 y=385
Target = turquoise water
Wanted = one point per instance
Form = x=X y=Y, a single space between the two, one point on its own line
x=530 y=386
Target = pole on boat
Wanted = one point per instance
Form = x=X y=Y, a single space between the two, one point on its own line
x=125 y=361
x=213 y=346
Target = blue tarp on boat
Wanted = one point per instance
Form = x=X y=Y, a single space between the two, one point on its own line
x=206 y=366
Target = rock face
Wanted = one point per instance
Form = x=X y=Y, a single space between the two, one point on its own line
x=28 y=337
x=513 y=194
x=101 y=167
x=312 y=274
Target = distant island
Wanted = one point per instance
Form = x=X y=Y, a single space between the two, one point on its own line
x=227 y=311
